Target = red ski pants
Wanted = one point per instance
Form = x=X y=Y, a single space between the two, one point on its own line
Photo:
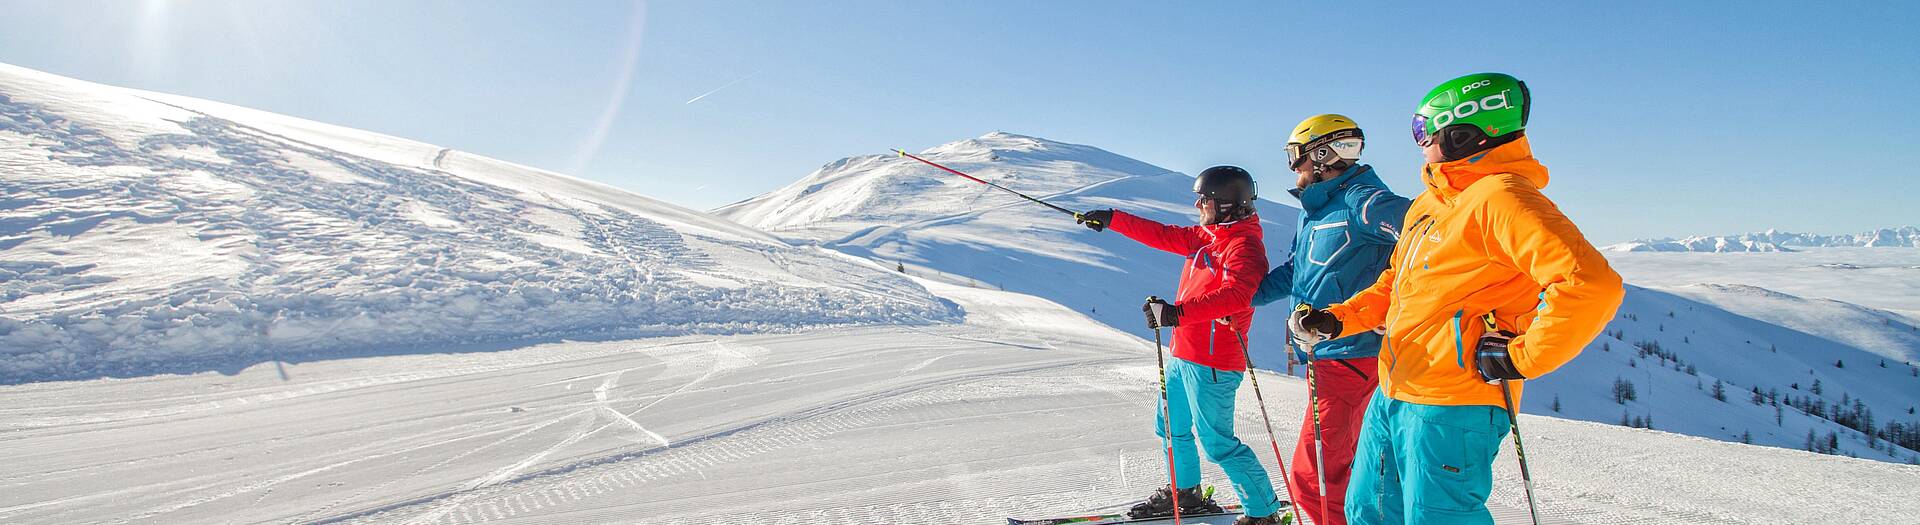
x=1345 y=387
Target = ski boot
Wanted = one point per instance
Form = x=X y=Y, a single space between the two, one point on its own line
x=1192 y=501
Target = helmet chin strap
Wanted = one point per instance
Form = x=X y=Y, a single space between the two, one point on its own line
x=1324 y=172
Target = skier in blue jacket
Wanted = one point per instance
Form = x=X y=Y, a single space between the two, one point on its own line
x=1348 y=226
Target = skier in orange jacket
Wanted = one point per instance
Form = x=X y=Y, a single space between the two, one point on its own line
x=1482 y=245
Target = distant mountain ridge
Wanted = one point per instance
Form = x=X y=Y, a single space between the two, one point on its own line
x=1775 y=241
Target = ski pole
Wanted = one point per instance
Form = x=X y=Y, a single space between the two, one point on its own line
x=1313 y=408
x=1519 y=452
x=1261 y=400
x=1166 y=422
x=1513 y=423
x=1076 y=215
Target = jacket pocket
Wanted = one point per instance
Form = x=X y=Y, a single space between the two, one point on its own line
x=1326 y=242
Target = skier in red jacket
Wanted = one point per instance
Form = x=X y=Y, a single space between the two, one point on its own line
x=1226 y=260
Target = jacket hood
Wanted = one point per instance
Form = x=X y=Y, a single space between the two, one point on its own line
x=1318 y=194
x=1448 y=179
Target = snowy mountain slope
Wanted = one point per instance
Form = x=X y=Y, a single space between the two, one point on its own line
x=1026 y=408
x=1672 y=348
x=1848 y=324
x=1775 y=241
x=1881 y=333
x=897 y=211
x=143 y=232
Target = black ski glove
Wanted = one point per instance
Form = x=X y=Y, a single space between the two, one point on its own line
x=1492 y=357
x=1160 y=314
x=1096 y=219
x=1311 y=326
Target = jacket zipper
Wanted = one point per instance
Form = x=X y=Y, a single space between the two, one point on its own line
x=1210 y=334
x=1355 y=369
x=1393 y=358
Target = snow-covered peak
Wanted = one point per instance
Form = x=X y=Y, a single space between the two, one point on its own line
x=1001 y=146
x=1774 y=240
x=994 y=141
x=848 y=194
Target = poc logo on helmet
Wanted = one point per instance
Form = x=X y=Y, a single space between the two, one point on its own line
x=1464 y=109
x=1476 y=85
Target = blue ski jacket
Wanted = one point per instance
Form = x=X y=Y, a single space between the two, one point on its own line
x=1348 y=226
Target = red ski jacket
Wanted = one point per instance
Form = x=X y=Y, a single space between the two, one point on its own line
x=1225 y=263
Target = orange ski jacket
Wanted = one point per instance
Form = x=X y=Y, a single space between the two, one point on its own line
x=1482 y=240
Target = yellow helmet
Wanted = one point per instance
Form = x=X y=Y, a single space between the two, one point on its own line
x=1327 y=140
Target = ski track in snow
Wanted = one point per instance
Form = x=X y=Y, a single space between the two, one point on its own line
x=869 y=414
x=600 y=395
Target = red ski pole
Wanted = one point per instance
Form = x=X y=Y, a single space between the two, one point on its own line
x=1261 y=400
x=1076 y=215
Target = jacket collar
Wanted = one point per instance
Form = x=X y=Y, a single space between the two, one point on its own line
x=1448 y=179
x=1319 y=194
x=1249 y=226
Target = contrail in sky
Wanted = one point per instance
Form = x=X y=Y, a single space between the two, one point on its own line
x=727 y=85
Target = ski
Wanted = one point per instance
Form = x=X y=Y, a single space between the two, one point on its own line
x=1103 y=519
x=1112 y=519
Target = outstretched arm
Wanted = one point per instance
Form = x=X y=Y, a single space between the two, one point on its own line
x=1367 y=309
x=1176 y=239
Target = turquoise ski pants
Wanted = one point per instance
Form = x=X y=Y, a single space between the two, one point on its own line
x=1424 y=464
x=1200 y=401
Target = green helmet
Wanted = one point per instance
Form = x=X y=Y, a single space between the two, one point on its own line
x=1471 y=114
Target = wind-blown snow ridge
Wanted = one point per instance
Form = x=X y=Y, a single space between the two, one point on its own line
x=143 y=232
x=1775 y=241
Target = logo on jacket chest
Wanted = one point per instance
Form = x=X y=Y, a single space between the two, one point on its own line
x=1203 y=260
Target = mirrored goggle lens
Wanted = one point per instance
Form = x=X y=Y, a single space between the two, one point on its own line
x=1294 y=155
x=1420 y=136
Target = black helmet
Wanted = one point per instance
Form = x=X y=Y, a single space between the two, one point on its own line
x=1230 y=187
x=1226 y=185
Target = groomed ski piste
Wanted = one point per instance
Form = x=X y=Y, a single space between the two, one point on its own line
x=839 y=392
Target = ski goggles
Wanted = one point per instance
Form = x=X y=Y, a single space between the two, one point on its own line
x=1320 y=149
x=1295 y=155
x=1420 y=136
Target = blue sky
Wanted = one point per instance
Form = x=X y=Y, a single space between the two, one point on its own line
x=1657 y=119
